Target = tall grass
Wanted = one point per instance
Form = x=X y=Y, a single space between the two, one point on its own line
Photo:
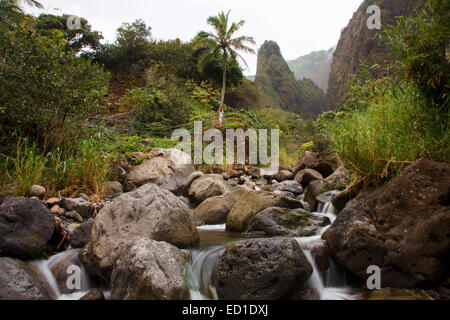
x=29 y=167
x=395 y=128
x=80 y=168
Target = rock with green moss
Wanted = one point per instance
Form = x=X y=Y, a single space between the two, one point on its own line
x=252 y=203
x=26 y=225
x=286 y=222
x=149 y=270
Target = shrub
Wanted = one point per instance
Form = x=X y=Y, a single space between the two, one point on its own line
x=40 y=84
x=396 y=129
x=422 y=46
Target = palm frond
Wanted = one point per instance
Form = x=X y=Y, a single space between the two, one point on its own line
x=235 y=54
x=206 y=57
x=234 y=28
x=33 y=3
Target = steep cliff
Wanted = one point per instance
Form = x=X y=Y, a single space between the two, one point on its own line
x=360 y=44
x=315 y=66
x=278 y=81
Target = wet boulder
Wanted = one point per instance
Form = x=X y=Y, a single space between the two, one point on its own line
x=149 y=270
x=254 y=202
x=81 y=236
x=402 y=227
x=26 y=226
x=261 y=269
x=289 y=187
x=286 y=222
x=149 y=211
x=94 y=295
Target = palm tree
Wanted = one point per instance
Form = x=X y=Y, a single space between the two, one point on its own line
x=221 y=42
x=11 y=11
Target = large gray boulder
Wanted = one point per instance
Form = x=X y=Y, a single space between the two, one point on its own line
x=168 y=168
x=215 y=210
x=22 y=281
x=80 y=205
x=149 y=211
x=26 y=225
x=207 y=186
x=402 y=227
x=273 y=222
x=261 y=269
x=253 y=202
x=149 y=270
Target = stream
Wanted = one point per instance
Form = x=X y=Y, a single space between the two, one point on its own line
x=330 y=285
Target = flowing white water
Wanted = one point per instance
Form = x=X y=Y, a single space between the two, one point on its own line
x=218 y=227
x=199 y=271
x=330 y=285
x=44 y=266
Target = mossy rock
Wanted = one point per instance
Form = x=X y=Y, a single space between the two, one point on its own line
x=286 y=222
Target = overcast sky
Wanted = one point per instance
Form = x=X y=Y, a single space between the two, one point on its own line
x=298 y=26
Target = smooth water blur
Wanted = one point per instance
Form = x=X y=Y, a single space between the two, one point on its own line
x=330 y=285
x=44 y=266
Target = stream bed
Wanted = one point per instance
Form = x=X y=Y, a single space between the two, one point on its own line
x=329 y=285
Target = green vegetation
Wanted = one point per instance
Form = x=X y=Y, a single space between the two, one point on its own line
x=392 y=121
x=40 y=83
x=221 y=43
x=422 y=45
x=77 y=39
x=82 y=168
x=395 y=129
x=53 y=80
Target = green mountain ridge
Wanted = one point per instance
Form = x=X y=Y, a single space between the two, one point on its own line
x=315 y=66
x=279 y=83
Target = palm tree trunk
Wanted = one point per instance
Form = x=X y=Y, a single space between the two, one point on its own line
x=224 y=78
